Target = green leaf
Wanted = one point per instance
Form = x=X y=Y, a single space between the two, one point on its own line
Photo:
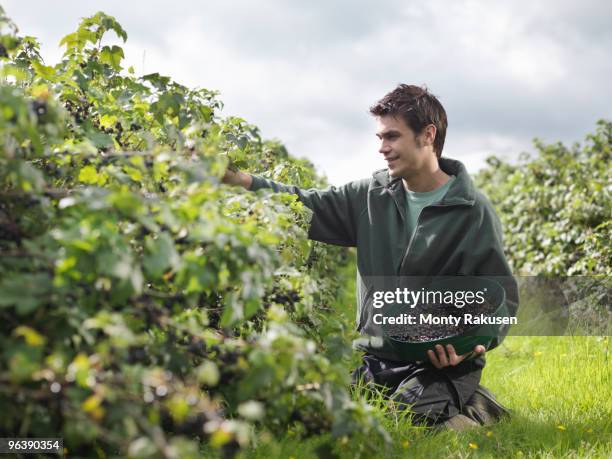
x=100 y=139
x=133 y=173
x=158 y=81
x=31 y=179
x=23 y=362
x=26 y=292
x=208 y=373
x=88 y=175
x=43 y=71
x=161 y=255
x=112 y=56
x=108 y=121
x=31 y=336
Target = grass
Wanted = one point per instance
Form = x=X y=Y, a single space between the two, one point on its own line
x=558 y=389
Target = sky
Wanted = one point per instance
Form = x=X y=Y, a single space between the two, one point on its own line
x=306 y=72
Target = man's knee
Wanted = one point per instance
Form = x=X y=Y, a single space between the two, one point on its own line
x=484 y=408
x=430 y=398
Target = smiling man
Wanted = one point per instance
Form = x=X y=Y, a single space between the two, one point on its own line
x=421 y=216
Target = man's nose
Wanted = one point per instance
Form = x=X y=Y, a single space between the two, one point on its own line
x=384 y=148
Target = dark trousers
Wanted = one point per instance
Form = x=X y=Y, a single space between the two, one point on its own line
x=433 y=395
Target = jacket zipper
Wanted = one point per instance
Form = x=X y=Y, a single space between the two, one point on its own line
x=416 y=230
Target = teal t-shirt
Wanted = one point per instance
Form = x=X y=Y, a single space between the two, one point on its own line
x=417 y=201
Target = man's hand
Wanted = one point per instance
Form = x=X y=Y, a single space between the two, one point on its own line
x=239 y=178
x=440 y=359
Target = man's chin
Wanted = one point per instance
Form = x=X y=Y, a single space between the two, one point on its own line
x=393 y=173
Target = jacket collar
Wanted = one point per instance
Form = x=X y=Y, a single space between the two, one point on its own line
x=461 y=191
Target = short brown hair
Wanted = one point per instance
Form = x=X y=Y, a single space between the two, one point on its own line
x=418 y=108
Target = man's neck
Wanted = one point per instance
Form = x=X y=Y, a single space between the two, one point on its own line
x=427 y=179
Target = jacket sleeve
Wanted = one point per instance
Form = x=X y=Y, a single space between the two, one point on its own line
x=334 y=210
x=489 y=260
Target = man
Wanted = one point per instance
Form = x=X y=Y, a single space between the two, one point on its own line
x=421 y=216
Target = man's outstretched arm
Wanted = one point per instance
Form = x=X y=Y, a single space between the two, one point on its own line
x=335 y=209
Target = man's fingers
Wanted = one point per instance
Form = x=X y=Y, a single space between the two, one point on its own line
x=452 y=355
x=228 y=177
x=433 y=359
x=442 y=358
x=236 y=177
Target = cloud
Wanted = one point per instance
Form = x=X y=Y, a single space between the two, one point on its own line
x=306 y=72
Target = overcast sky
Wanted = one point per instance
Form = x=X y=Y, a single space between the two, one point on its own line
x=306 y=72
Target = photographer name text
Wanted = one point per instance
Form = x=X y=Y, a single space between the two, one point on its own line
x=432 y=319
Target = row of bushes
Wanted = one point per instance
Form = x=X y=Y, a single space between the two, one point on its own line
x=146 y=309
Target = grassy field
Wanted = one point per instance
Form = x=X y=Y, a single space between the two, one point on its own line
x=558 y=388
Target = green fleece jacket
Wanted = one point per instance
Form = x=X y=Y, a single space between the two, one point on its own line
x=458 y=235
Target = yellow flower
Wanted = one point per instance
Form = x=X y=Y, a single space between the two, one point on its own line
x=561 y=427
x=473 y=445
x=589 y=430
x=537 y=354
x=405 y=444
x=489 y=434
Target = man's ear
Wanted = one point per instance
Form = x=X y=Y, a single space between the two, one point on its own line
x=429 y=134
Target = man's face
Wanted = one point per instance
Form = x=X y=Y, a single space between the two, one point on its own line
x=405 y=153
